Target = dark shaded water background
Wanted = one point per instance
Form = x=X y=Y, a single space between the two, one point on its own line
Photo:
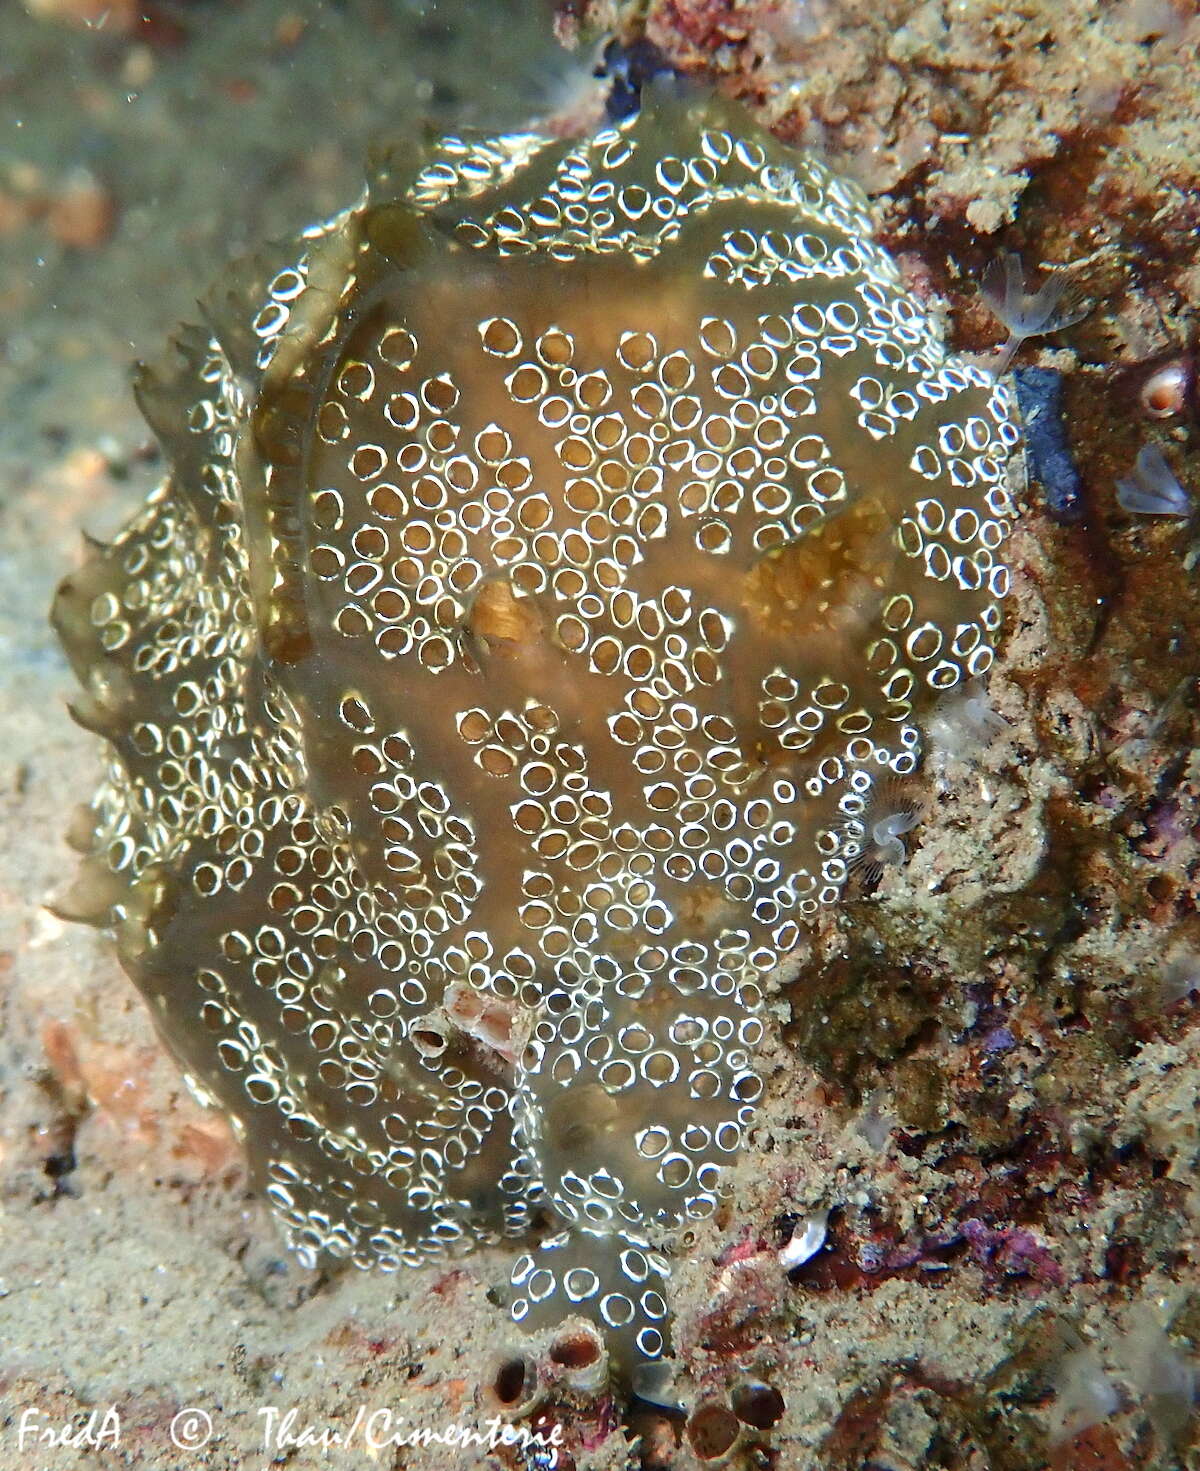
x=202 y=132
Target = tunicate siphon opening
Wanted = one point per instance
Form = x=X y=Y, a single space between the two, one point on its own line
x=513 y=1381
x=428 y=1041
x=712 y=1430
x=574 y=1351
x=757 y=1404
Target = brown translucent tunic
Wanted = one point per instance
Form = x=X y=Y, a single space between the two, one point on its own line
x=559 y=551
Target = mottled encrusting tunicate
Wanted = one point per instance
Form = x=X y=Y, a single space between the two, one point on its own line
x=559 y=550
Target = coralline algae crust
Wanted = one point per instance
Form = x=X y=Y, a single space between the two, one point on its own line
x=558 y=553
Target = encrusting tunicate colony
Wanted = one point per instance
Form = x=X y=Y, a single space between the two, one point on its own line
x=558 y=553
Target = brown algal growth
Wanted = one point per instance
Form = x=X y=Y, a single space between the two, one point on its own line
x=558 y=552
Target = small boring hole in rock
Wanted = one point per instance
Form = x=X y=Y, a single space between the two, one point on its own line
x=711 y=1431
x=759 y=1405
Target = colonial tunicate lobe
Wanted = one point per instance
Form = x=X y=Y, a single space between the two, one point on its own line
x=559 y=550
